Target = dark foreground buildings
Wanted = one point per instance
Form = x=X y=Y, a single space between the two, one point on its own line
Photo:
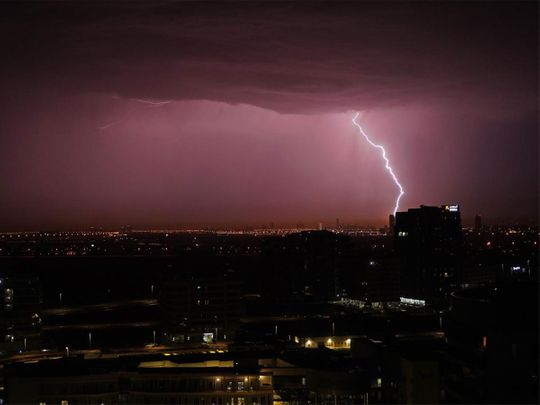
x=429 y=313
x=139 y=380
x=20 y=311
x=492 y=351
x=199 y=308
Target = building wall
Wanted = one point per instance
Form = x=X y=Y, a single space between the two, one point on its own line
x=202 y=305
x=419 y=381
x=132 y=387
x=429 y=242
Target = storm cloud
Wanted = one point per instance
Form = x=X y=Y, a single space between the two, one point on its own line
x=289 y=57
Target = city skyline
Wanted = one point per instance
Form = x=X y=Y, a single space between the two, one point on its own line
x=269 y=202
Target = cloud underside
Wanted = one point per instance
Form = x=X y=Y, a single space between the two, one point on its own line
x=298 y=57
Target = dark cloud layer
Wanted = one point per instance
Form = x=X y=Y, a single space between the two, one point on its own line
x=290 y=57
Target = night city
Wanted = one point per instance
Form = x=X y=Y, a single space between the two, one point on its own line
x=269 y=202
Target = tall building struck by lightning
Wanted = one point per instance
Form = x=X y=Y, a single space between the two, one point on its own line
x=429 y=242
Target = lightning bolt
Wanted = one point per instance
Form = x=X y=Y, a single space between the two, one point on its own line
x=149 y=104
x=110 y=124
x=387 y=162
x=153 y=103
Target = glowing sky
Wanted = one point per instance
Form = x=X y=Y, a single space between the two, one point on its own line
x=258 y=127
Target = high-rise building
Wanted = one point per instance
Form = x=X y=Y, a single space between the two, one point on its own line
x=391 y=223
x=428 y=240
x=477 y=223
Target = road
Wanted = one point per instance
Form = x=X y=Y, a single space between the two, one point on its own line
x=166 y=351
x=107 y=306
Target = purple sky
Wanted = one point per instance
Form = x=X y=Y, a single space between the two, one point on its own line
x=258 y=128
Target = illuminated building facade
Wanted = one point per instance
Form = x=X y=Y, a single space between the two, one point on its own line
x=131 y=381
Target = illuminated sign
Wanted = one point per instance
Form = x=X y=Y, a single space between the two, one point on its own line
x=412 y=301
x=452 y=208
x=208 y=337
